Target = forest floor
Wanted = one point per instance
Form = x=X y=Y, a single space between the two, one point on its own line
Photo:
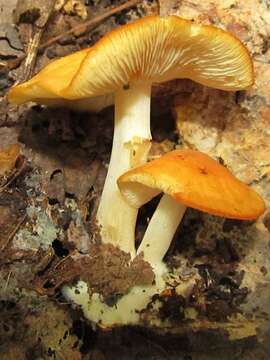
x=47 y=216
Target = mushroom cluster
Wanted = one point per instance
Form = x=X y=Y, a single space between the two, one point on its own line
x=120 y=69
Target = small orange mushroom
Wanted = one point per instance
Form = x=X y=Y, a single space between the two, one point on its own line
x=187 y=178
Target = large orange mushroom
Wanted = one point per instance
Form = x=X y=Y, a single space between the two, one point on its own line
x=187 y=178
x=124 y=65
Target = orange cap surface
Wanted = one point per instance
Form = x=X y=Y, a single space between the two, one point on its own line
x=195 y=180
x=152 y=49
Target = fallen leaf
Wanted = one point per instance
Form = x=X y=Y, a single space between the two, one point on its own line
x=8 y=158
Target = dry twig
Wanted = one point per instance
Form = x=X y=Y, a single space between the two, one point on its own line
x=33 y=45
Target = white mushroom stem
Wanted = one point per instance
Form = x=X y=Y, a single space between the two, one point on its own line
x=131 y=144
x=161 y=229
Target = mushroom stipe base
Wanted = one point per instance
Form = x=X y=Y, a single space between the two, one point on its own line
x=129 y=308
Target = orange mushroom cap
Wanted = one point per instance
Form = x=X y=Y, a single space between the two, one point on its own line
x=152 y=49
x=195 y=180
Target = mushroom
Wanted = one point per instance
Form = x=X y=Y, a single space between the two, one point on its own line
x=187 y=178
x=124 y=64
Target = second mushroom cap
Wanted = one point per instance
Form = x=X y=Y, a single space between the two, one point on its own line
x=195 y=180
